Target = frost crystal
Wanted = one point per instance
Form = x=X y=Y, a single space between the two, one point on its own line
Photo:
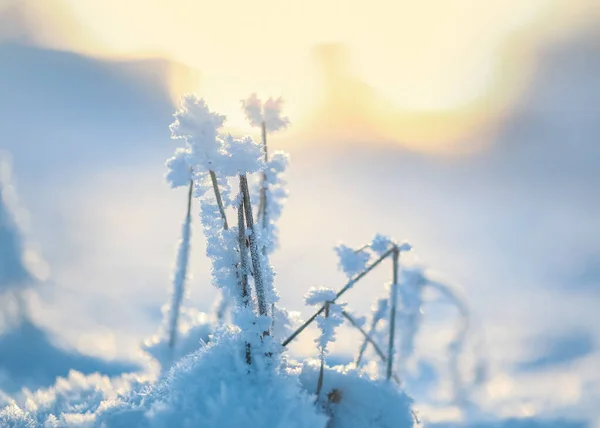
x=241 y=156
x=269 y=112
x=199 y=127
x=380 y=244
x=352 y=262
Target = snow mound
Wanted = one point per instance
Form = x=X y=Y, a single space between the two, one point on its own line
x=214 y=387
x=353 y=400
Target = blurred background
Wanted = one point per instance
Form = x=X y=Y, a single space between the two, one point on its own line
x=470 y=128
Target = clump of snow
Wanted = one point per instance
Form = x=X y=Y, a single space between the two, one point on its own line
x=270 y=113
x=241 y=156
x=179 y=170
x=199 y=127
x=353 y=400
x=329 y=319
x=352 y=262
x=380 y=244
x=316 y=296
x=214 y=387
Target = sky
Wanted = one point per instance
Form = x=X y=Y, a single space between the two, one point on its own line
x=470 y=129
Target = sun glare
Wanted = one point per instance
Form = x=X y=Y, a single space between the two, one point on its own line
x=425 y=74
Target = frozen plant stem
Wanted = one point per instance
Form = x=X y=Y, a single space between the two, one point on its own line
x=213 y=178
x=322 y=369
x=243 y=268
x=339 y=293
x=254 y=250
x=368 y=339
x=262 y=206
x=181 y=273
x=393 y=298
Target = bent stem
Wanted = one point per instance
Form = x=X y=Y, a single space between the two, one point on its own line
x=368 y=338
x=337 y=296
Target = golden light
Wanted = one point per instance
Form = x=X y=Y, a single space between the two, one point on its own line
x=429 y=75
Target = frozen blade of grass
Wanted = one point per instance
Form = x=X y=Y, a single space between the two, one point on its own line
x=181 y=271
x=393 y=298
x=213 y=179
x=254 y=249
x=322 y=369
x=377 y=316
x=262 y=207
x=368 y=339
x=244 y=268
x=339 y=293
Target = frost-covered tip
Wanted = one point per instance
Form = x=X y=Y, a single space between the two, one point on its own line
x=380 y=244
x=351 y=262
x=179 y=170
x=195 y=123
x=240 y=156
x=318 y=296
x=269 y=113
x=330 y=319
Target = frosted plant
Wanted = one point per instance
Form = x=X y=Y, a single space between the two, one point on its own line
x=227 y=158
x=241 y=375
x=276 y=193
x=268 y=117
x=180 y=175
x=267 y=114
x=199 y=128
x=379 y=311
x=330 y=319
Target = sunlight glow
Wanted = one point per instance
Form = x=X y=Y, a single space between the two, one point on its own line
x=425 y=74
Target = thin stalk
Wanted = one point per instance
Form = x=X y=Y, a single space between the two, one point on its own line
x=393 y=298
x=213 y=178
x=368 y=339
x=254 y=250
x=178 y=290
x=244 y=268
x=262 y=206
x=322 y=369
x=339 y=293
